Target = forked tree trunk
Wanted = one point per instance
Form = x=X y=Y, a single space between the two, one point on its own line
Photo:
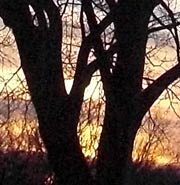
x=58 y=113
x=58 y=116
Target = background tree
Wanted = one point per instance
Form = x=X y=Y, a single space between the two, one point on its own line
x=113 y=40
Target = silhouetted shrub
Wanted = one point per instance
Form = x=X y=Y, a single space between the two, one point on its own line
x=23 y=168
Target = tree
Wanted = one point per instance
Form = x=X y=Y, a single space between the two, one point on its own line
x=120 y=58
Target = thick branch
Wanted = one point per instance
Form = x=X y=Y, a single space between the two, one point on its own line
x=100 y=52
x=160 y=28
x=88 y=42
x=91 y=39
x=94 y=66
x=15 y=13
x=111 y=3
x=153 y=91
x=39 y=47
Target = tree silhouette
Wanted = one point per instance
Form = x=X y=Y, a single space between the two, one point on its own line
x=116 y=32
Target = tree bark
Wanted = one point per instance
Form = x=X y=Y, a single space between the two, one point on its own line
x=124 y=100
x=58 y=113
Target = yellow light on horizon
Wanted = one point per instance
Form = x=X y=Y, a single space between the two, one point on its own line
x=89 y=137
x=162 y=160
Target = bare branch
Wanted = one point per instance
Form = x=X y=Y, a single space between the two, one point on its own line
x=98 y=46
x=153 y=91
x=175 y=35
x=160 y=28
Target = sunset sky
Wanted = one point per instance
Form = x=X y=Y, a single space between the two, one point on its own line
x=163 y=110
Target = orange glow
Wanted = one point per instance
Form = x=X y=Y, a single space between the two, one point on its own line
x=163 y=160
x=89 y=133
x=89 y=139
x=151 y=151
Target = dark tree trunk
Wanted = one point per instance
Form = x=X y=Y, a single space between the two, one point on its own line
x=58 y=116
x=58 y=113
x=62 y=144
x=124 y=97
x=115 y=151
